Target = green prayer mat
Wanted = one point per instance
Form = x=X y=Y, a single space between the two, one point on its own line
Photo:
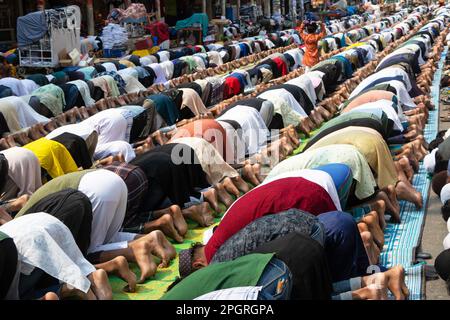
x=155 y=287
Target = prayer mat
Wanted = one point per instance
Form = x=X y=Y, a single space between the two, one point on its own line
x=155 y=287
x=402 y=240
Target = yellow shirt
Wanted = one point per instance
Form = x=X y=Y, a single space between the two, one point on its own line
x=53 y=157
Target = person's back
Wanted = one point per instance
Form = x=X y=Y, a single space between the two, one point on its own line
x=311 y=40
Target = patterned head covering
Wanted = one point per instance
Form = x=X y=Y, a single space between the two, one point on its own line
x=185 y=262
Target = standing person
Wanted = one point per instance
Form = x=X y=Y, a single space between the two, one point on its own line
x=311 y=39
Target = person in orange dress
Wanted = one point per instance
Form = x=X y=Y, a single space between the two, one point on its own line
x=311 y=39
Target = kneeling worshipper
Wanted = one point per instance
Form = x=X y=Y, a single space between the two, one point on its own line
x=234 y=221
x=23 y=174
x=16 y=85
x=382 y=117
x=366 y=102
x=170 y=220
x=342 y=161
x=311 y=278
x=219 y=174
x=246 y=133
x=264 y=107
x=176 y=177
x=269 y=274
x=143 y=121
x=261 y=201
x=107 y=194
x=54 y=158
x=346 y=253
x=52 y=97
x=16 y=114
x=113 y=128
x=376 y=152
x=208 y=129
x=191 y=104
x=167 y=109
x=387 y=75
x=214 y=133
x=111 y=125
x=288 y=109
x=47 y=260
x=390 y=90
x=305 y=100
x=77 y=148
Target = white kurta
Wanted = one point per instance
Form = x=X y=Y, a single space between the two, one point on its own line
x=108 y=194
x=385 y=73
x=110 y=124
x=44 y=242
x=306 y=85
x=25 y=113
x=285 y=95
x=254 y=129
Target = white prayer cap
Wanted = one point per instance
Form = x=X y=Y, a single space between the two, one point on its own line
x=445 y=193
x=429 y=161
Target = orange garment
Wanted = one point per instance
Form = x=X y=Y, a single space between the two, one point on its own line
x=311 y=56
x=208 y=129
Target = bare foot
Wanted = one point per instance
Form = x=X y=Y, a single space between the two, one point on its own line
x=304 y=127
x=372 y=250
x=405 y=191
x=107 y=161
x=393 y=209
x=177 y=216
x=230 y=187
x=292 y=135
x=100 y=285
x=4 y=217
x=70 y=293
x=371 y=292
x=212 y=198
x=285 y=147
x=240 y=184
x=393 y=279
x=379 y=206
x=257 y=171
x=390 y=191
x=249 y=175
x=84 y=113
x=223 y=195
x=160 y=247
x=166 y=224
x=142 y=256
x=316 y=117
x=202 y=214
x=406 y=167
x=119 y=266
x=371 y=220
